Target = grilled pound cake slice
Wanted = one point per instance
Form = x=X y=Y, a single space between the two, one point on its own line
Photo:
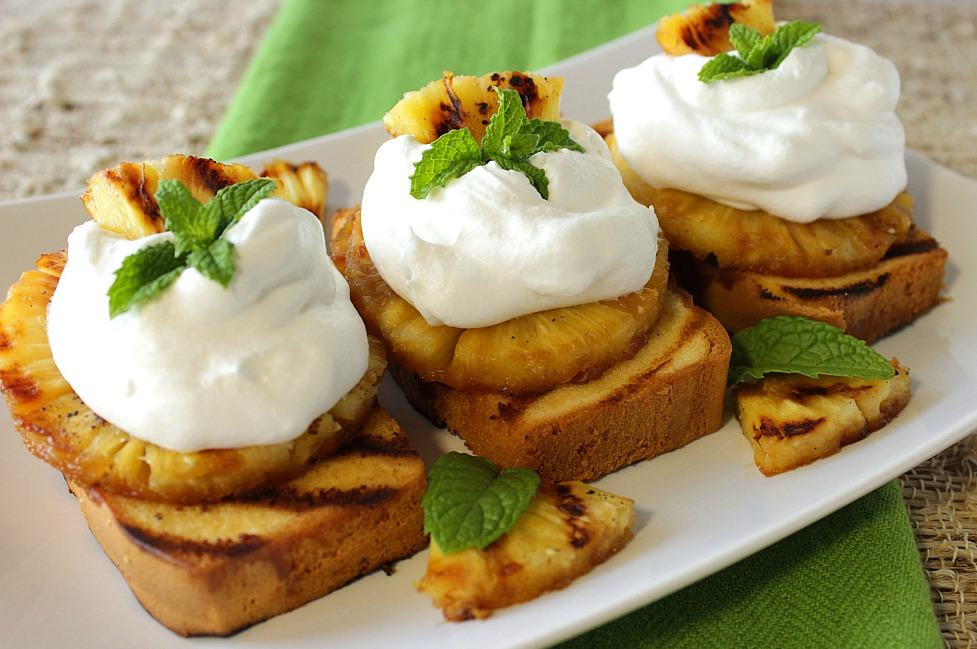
x=217 y=568
x=668 y=394
x=866 y=304
x=567 y=530
x=792 y=420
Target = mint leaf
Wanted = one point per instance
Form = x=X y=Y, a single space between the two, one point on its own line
x=183 y=218
x=510 y=140
x=792 y=345
x=724 y=66
x=743 y=37
x=793 y=34
x=143 y=275
x=537 y=177
x=232 y=202
x=469 y=504
x=508 y=119
x=197 y=230
x=520 y=145
x=756 y=53
x=451 y=156
x=552 y=136
x=215 y=262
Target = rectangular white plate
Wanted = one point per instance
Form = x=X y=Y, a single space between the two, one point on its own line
x=700 y=508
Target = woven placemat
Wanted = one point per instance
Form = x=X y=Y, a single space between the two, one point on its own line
x=86 y=84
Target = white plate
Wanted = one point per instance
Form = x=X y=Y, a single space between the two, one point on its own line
x=700 y=508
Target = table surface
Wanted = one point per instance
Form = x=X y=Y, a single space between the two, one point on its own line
x=85 y=84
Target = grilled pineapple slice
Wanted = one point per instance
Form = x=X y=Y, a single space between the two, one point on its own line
x=454 y=102
x=758 y=241
x=60 y=429
x=305 y=184
x=567 y=529
x=705 y=29
x=532 y=353
x=793 y=420
x=122 y=199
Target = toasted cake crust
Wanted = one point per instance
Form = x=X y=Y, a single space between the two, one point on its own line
x=216 y=569
x=669 y=394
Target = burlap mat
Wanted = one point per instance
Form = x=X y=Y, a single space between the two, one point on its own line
x=84 y=85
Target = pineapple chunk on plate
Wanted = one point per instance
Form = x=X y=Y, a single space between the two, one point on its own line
x=567 y=530
x=793 y=420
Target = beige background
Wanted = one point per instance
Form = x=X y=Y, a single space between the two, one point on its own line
x=85 y=84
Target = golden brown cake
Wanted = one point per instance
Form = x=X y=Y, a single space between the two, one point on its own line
x=217 y=568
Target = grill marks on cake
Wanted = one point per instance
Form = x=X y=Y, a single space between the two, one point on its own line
x=369 y=445
x=913 y=247
x=297 y=500
x=168 y=544
x=862 y=287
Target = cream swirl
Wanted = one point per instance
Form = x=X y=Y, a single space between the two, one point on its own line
x=817 y=137
x=487 y=247
x=201 y=366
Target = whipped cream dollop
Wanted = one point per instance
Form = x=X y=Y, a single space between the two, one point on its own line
x=200 y=366
x=487 y=247
x=817 y=137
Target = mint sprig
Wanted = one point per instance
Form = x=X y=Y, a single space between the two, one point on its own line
x=198 y=241
x=510 y=139
x=793 y=345
x=470 y=504
x=757 y=53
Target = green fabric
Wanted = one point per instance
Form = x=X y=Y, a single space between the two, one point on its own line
x=853 y=579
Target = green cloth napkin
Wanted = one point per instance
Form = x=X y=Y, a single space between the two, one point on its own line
x=853 y=579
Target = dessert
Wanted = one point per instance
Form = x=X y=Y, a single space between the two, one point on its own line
x=803 y=390
x=556 y=533
x=522 y=293
x=192 y=364
x=777 y=173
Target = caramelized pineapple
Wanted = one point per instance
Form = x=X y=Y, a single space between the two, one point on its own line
x=122 y=199
x=305 y=184
x=793 y=420
x=567 y=529
x=454 y=102
x=758 y=241
x=528 y=354
x=704 y=29
x=60 y=429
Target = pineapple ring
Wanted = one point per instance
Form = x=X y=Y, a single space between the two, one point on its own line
x=761 y=242
x=60 y=429
x=529 y=354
